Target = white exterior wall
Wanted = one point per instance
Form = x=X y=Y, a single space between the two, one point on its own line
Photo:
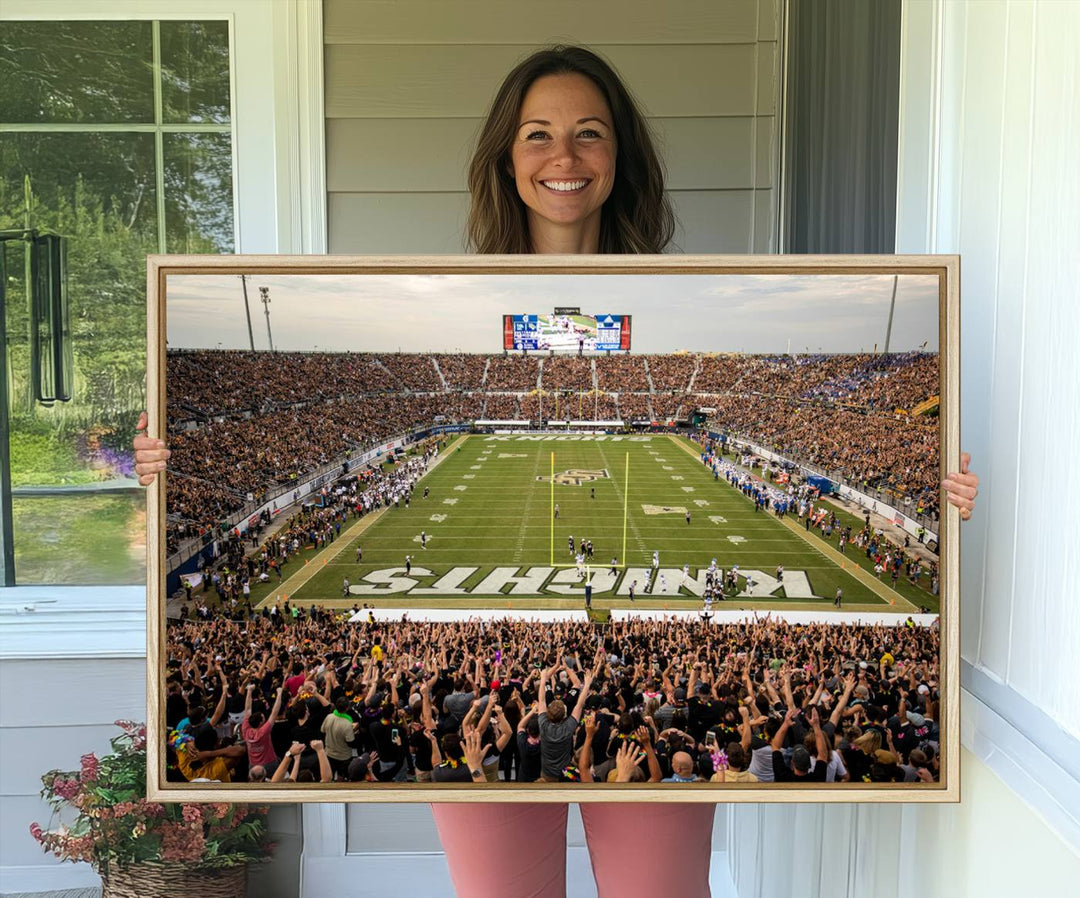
x=990 y=138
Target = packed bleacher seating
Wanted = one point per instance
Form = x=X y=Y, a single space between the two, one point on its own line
x=672 y=372
x=462 y=370
x=621 y=372
x=513 y=372
x=567 y=373
x=501 y=406
x=243 y=423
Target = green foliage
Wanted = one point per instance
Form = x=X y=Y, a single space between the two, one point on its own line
x=99 y=190
x=88 y=539
x=39 y=457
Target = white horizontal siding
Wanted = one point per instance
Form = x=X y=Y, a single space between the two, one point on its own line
x=55 y=693
x=373 y=223
x=390 y=155
x=522 y=22
x=708 y=221
x=32 y=750
x=51 y=713
x=408 y=83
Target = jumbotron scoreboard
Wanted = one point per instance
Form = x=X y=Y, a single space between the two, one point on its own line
x=566 y=330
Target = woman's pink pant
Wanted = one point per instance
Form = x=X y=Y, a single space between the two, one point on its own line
x=499 y=850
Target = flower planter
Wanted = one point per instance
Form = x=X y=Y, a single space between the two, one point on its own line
x=160 y=880
x=125 y=837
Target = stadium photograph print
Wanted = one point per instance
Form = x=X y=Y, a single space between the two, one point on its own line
x=554 y=528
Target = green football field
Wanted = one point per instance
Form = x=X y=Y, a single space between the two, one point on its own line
x=490 y=542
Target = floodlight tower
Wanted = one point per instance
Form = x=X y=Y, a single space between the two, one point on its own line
x=247 y=311
x=892 y=308
x=264 y=295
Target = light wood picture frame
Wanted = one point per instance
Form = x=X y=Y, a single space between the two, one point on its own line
x=796 y=317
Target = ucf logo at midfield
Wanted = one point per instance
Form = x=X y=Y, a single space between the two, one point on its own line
x=576 y=476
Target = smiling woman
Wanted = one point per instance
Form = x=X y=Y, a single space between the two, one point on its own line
x=562 y=117
x=563 y=162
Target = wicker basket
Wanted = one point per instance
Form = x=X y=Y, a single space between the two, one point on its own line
x=151 y=880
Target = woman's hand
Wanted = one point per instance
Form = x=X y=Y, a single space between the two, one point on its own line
x=962 y=488
x=150 y=454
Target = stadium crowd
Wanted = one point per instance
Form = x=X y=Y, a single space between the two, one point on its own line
x=243 y=425
x=622 y=372
x=294 y=695
x=671 y=372
x=880 y=451
x=317 y=523
x=567 y=372
x=208 y=384
x=462 y=370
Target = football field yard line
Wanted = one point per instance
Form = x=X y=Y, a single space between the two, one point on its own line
x=515 y=558
x=891 y=598
x=290 y=585
x=630 y=518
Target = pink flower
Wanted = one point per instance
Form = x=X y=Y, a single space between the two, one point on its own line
x=192 y=813
x=37 y=832
x=150 y=808
x=90 y=767
x=65 y=788
x=181 y=842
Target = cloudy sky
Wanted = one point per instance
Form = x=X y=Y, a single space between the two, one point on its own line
x=451 y=312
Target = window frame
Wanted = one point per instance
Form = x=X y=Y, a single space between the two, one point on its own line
x=277 y=140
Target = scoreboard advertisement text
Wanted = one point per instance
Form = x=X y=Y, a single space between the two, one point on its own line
x=567 y=333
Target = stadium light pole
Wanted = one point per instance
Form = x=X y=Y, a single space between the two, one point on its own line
x=264 y=295
x=892 y=308
x=247 y=311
